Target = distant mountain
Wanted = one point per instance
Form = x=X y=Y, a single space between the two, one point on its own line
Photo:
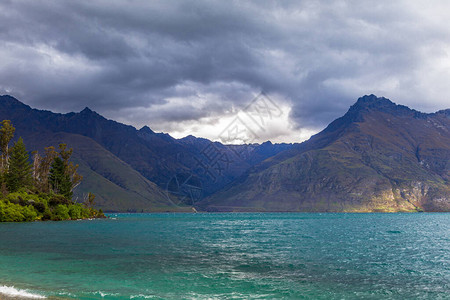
x=134 y=170
x=378 y=157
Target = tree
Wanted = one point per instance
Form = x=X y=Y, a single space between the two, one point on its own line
x=6 y=134
x=47 y=173
x=71 y=169
x=49 y=182
x=59 y=179
x=89 y=200
x=41 y=168
x=19 y=171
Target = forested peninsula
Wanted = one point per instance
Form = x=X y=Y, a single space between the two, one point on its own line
x=40 y=188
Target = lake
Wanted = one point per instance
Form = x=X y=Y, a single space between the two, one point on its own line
x=230 y=256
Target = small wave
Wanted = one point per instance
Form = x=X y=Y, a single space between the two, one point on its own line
x=141 y=296
x=66 y=294
x=13 y=292
x=104 y=294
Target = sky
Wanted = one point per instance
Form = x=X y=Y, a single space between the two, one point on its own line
x=193 y=67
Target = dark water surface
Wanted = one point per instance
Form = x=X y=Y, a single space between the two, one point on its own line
x=230 y=256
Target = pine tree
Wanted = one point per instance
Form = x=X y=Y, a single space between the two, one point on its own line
x=59 y=180
x=63 y=176
x=19 y=172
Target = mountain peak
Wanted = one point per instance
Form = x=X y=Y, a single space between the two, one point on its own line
x=267 y=143
x=86 y=110
x=146 y=129
x=189 y=138
x=371 y=102
x=89 y=113
x=363 y=107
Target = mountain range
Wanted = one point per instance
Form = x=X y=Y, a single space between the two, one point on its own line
x=379 y=156
x=135 y=170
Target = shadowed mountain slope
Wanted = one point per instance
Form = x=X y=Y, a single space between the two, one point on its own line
x=117 y=186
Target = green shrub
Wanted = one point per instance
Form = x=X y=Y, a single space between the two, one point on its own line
x=29 y=213
x=86 y=213
x=10 y=212
x=22 y=206
x=76 y=211
x=39 y=206
x=60 y=212
x=47 y=215
x=100 y=214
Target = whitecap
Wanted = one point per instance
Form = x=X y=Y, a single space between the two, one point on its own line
x=104 y=294
x=13 y=292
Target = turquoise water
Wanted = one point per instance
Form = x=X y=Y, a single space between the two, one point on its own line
x=231 y=256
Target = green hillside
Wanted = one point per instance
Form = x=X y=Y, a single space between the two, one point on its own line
x=118 y=187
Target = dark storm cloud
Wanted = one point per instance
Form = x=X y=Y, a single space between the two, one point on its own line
x=173 y=61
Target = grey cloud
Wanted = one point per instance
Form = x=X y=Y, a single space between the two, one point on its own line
x=119 y=57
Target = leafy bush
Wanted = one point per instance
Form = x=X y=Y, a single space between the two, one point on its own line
x=60 y=212
x=22 y=206
x=76 y=211
x=39 y=207
x=47 y=215
x=29 y=213
x=10 y=212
